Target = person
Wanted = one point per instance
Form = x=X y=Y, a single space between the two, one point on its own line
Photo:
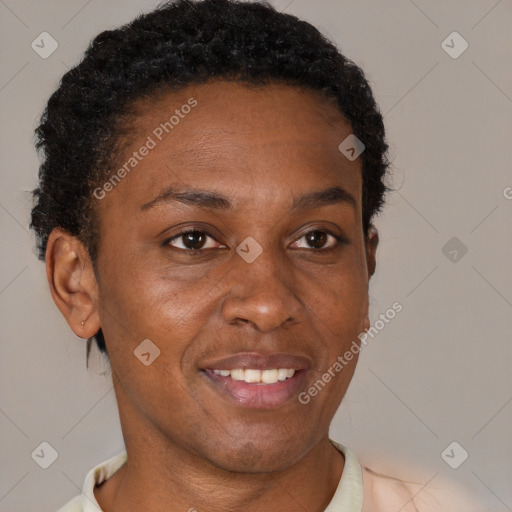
x=209 y=178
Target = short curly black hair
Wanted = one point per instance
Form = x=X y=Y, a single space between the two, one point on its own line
x=181 y=43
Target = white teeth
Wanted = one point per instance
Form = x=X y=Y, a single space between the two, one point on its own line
x=252 y=376
x=224 y=373
x=269 y=376
x=282 y=374
x=258 y=376
x=238 y=374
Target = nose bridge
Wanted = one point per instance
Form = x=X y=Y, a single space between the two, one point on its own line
x=262 y=292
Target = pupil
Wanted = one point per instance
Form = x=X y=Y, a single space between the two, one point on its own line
x=316 y=237
x=191 y=240
x=195 y=239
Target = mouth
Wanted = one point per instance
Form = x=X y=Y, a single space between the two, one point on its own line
x=256 y=381
x=257 y=389
x=255 y=376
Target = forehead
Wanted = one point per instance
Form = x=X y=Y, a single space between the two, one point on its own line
x=248 y=138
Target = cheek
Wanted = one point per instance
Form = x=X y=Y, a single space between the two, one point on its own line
x=339 y=311
x=341 y=303
x=147 y=315
x=140 y=302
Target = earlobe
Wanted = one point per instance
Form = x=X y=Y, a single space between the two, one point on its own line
x=72 y=282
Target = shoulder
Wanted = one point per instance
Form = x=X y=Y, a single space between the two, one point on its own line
x=75 y=505
x=96 y=476
x=383 y=493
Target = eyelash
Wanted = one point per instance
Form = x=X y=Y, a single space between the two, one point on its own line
x=200 y=252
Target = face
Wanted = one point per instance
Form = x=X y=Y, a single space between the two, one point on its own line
x=266 y=276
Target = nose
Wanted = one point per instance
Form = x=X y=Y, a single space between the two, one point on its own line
x=263 y=293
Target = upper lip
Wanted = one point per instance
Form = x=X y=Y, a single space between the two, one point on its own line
x=258 y=361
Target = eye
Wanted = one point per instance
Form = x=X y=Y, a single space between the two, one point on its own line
x=195 y=241
x=191 y=240
x=318 y=238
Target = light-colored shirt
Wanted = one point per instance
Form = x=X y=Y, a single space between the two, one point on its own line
x=359 y=490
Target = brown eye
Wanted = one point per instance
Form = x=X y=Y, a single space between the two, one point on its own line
x=191 y=240
x=317 y=239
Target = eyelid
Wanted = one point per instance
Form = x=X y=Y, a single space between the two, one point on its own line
x=340 y=240
x=185 y=231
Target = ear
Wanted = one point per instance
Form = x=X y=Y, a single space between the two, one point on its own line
x=72 y=282
x=371 y=249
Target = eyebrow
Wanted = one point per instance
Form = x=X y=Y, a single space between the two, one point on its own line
x=215 y=201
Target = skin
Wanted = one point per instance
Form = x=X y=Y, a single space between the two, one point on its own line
x=262 y=148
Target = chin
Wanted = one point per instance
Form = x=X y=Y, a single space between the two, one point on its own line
x=258 y=456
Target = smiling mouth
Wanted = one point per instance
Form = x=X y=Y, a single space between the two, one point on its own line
x=255 y=376
x=257 y=389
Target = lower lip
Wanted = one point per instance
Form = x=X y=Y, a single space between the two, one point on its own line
x=258 y=396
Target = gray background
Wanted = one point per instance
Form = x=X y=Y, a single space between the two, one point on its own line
x=439 y=372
